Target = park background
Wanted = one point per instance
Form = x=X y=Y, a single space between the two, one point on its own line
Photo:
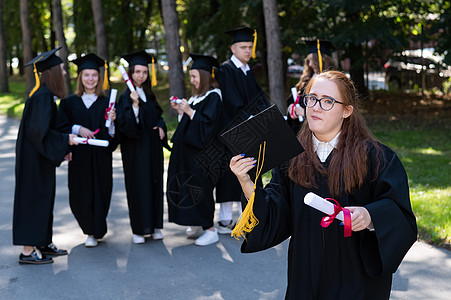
x=414 y=121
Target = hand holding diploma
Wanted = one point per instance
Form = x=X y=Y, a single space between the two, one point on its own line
x=126 y=78
x=93 y=142
x=332 y=210
x=110 y=112
x=296 y=98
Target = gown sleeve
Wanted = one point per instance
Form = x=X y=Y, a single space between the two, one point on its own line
x=272 y=207
x=126 y=120
x=392 y=217
x=64 y=123
x=203 y=128
x=47 y=141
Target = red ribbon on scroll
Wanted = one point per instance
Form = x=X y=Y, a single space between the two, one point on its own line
x=326 y=221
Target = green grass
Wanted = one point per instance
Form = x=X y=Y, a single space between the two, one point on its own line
x=426 y=156
x=423 y=145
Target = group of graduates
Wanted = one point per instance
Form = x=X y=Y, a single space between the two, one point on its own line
x=342 y=160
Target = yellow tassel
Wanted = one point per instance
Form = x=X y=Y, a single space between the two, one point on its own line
x=105 y=77
x=213 y=72
x=154 y=74
x=36 y=77
x=254 y=46
x=320 y=59
x=248 y=221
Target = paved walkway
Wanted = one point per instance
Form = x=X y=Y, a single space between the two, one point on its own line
x=169 y=269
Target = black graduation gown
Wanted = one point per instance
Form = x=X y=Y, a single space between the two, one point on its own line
x=189 y=187
x=322 y=264
x=142 y=158
x=40 y=148
x=242 y=97
x=90 y=177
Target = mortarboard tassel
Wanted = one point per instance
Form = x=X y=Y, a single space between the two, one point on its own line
x=320 y=59
x=247 y=220
x=213 y=72
x=36 y=77
x=105 y=77
x=154 y=74
x=254 y=46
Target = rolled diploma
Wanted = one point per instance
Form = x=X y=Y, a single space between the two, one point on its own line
x=93 y=142
x=295 y=95
x=113 y=95
x=321 y=204
x=126 y=78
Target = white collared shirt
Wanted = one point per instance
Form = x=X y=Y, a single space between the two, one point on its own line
x=195 y=99
x=240 y=65
x=88 y=99
x=323 y=149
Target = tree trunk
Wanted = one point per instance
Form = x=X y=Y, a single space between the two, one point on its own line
x=356 y=71
x=99 y=24
x=26 y=43
x=176 y=76
x=3 y=69
x=275 y=65
x=58 y=22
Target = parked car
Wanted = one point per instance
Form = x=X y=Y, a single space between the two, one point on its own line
x=404 y=71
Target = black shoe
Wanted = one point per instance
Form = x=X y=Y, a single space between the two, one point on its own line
x=35 y=258
x=52 y=250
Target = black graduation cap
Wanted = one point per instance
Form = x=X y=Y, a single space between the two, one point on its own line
x=45 y=60
x=141 y=58
x=89 y=61
x=203 y=62
x=326 y=46
x=267 y=126
x=241 y=34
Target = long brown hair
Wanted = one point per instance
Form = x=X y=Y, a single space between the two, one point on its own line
x=348 y=167
x=206 y=83
x=53 y=78
x=81 y=88
x=307 y=74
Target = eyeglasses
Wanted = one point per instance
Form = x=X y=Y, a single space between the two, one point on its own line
x=326 y=103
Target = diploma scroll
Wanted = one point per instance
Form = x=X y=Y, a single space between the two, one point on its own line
x=295 y=95
x=175 y=99
x=321 y=204
x=113 y=95
x=126 y=78
x=93 y=142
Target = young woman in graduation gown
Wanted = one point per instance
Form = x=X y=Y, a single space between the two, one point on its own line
x=40 y=148
x=90 y=177
x=189 y=187
x=142 y=136
x=360 y=173
x=311 y=69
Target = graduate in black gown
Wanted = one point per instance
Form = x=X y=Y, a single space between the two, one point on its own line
x=40 y=148
x=90 y=177
x=312 y=67
x=343 y=161
x=242 y=97
x=189 y=188
x=142 y=136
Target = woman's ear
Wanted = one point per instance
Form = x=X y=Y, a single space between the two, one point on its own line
x=348 y=111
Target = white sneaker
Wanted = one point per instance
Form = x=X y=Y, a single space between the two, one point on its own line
x=91 y=241
x=138 y=239
x=193 y=231
x=208 y=238
x=157 y=234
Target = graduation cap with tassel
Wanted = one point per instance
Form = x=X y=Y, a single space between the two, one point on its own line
x=320 y=47
x=268 y=137
x=244 y=34
x=142 y=58
x=42 y=62
x=92 y=62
